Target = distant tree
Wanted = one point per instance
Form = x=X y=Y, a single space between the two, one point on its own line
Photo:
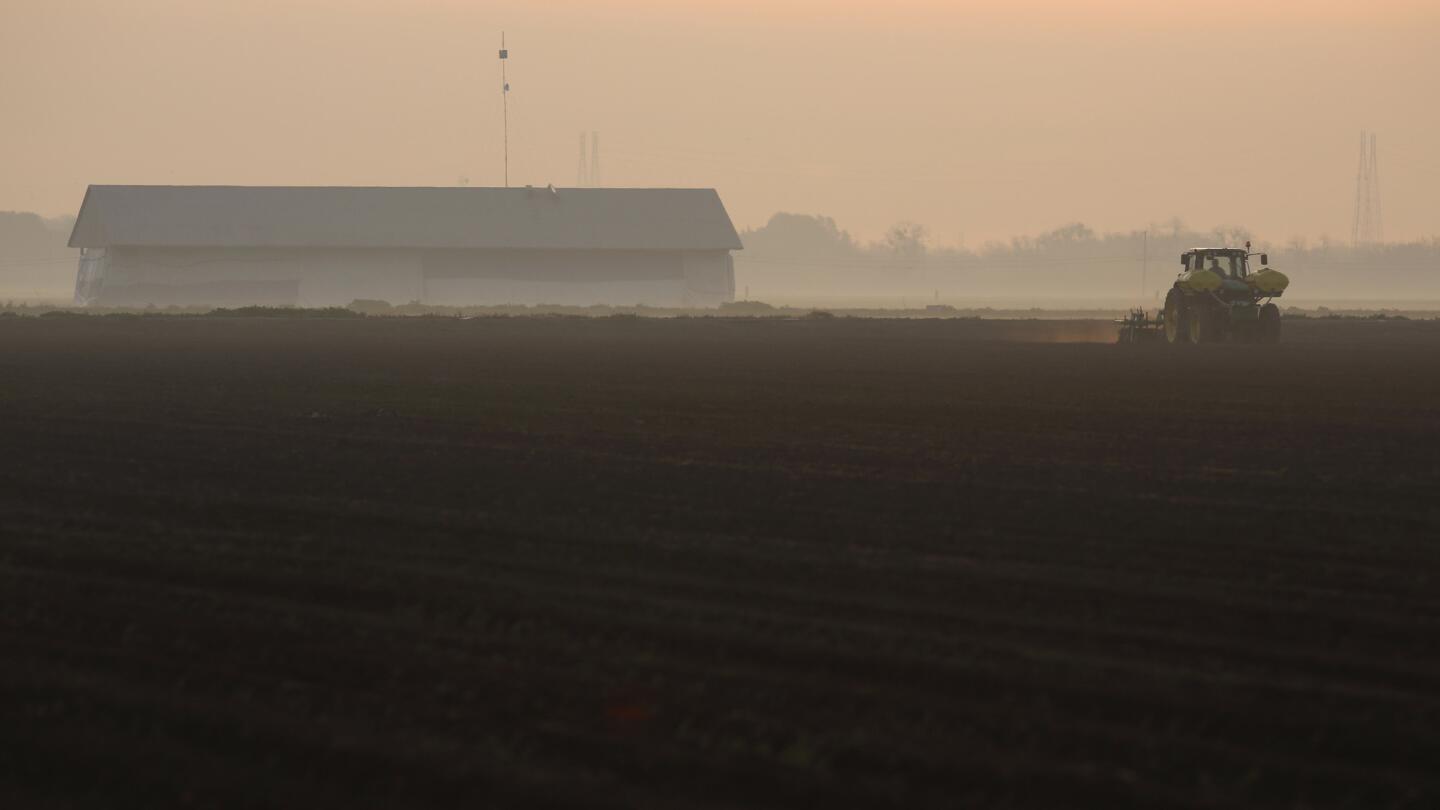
x=24 y=234
x=799 y=236
x=907 y=240
x=1065 y=235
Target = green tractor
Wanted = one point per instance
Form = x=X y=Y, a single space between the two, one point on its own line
x=1218 y=297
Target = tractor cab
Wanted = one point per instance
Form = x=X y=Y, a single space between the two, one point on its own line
x=1228 y=263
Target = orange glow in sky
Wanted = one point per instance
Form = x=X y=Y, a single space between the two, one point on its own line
x=1206 y=13
x=979 y=120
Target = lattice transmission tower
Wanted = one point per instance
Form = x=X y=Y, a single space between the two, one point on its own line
x=1368 y=225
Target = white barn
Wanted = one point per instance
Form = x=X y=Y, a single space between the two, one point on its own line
x=318 y=246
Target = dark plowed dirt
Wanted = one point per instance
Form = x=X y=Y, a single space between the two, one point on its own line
x=693 y=563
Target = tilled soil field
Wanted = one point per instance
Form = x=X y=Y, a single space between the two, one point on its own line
x=715 y=563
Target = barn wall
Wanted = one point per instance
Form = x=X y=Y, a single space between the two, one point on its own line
x=138 y=276
x=565 y=277
x=496 y=292
x=709 y=278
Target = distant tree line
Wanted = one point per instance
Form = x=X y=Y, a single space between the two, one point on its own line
x=804 y=256
x=796 y=254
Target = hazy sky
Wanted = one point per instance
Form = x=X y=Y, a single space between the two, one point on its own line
x=980 y=120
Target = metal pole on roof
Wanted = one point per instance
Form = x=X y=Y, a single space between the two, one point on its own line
x=505 y=103
x=594 y=158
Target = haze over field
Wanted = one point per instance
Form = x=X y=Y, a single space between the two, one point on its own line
x=917 y=404
x=980 y=122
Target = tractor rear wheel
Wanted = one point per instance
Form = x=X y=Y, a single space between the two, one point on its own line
x=1204 y=325
x=1268 y=328
x=1177 y=317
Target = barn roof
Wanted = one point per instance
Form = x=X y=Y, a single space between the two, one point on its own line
x=509 y=218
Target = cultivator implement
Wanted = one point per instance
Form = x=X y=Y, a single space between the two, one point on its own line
x=1138 y=327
